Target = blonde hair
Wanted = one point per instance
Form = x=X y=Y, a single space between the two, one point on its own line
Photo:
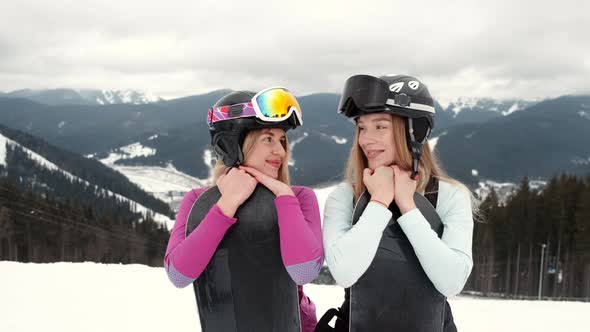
x=428 y=166
x=249 y=142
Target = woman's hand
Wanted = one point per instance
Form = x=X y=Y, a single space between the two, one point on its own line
x=277 y=187
x=404 y=189
x=236 y=187
x=380 y=184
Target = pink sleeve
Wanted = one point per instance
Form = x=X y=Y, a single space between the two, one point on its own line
x=187 y=257
x=300 y=234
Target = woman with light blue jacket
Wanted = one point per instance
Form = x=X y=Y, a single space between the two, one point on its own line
x=398 y=234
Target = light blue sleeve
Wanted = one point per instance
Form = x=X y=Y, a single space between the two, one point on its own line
x=447 y=261
x=348 y=249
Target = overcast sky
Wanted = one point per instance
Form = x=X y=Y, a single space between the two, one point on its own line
x=500 y=49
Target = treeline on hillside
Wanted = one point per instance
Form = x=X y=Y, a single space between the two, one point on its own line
x=535 y=239
x=93 y=171
x=37 y=227
x=61 y=186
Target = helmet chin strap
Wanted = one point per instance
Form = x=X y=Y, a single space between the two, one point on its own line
x=415 y=149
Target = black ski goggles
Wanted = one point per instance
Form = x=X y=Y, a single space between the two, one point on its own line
x=364 y=94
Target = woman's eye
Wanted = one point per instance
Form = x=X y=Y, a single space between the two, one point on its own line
x=361 y=128
x=381 y=127
x=268 y=139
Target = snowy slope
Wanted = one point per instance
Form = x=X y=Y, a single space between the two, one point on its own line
x=165 y=183
x=90 y=297
x=128 y=152
x=3 y=142
x=40 y=160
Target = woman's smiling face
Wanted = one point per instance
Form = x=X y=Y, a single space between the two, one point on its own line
x=376 y=139
x=269 y=152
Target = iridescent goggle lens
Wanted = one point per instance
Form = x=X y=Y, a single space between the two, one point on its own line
x=276 y=104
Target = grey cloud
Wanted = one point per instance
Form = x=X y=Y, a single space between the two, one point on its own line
x=464 y=48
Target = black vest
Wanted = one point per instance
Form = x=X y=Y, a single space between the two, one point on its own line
x=245 y=286
x=394 y=294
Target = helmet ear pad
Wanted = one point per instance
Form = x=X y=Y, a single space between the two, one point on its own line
x=227 y=138
x=420 y=129
x=227 y=148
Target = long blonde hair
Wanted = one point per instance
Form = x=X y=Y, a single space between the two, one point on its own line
x=428 y=166
x=249 y=142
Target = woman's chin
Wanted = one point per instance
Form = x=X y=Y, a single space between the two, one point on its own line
x=378 y=164
x=272 y=172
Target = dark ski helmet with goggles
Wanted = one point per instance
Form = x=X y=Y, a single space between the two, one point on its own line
x=239 y=112
x=400 y=95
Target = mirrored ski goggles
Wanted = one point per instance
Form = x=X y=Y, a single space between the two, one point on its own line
x=270 y=105
x=276 y=104
x=365 y=94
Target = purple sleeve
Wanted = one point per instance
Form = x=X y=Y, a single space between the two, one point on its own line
x=300 y=234
x=187 y=257
x=307 y=312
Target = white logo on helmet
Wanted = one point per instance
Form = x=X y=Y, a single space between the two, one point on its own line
x=414 y=85
x=396 y=87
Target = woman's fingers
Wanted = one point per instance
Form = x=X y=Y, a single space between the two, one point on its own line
x=254 y=172
x=366 y=173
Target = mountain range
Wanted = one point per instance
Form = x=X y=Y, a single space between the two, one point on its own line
x=83 y=97
x=476 y=139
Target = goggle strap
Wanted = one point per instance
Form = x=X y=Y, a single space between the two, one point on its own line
x=411 y=105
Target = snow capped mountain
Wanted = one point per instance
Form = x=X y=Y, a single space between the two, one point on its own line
x=503 y=107
x=84 y=97
x=119 y=97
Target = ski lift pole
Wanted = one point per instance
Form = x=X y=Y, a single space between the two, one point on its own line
x=543 y=245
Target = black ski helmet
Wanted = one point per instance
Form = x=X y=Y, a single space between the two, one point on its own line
x=412 y=98
x=227 y=136
x=400 y=95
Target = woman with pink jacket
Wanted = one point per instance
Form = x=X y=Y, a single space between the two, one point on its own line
x=249 y=242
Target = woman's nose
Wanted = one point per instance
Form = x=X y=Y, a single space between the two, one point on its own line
x=367 y=137
x=278 y=149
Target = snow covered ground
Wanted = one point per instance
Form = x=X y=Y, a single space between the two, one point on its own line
x=64 y=297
